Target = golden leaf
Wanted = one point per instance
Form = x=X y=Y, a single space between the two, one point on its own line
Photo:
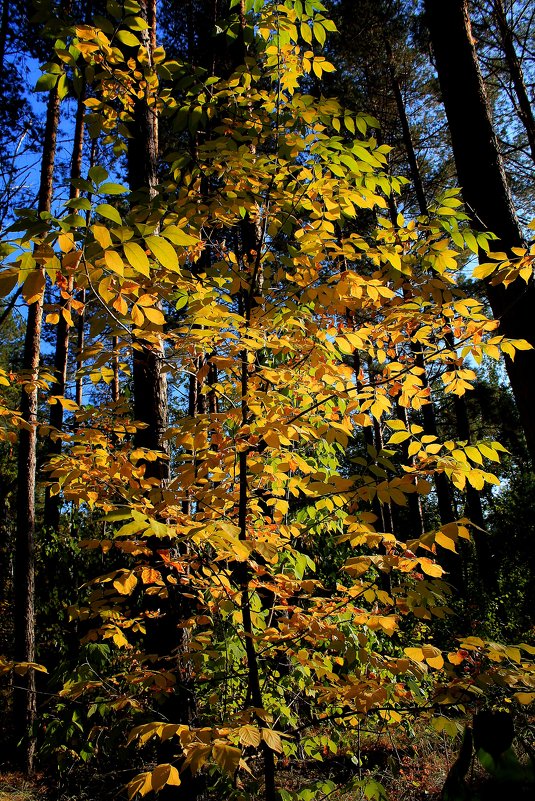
x=125 y=583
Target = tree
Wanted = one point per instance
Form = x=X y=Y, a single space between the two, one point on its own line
x=24 y=696
x=484 y=185
x=263 y=264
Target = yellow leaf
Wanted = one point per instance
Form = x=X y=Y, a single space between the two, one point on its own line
x=455 y=658
x=250 y=735
x=414 y=653
x=226 y=756
x=150 y=576
x=114 y=262
x=154 y=315
x=430 y=568
x=413 y=448
x=140 y=785
x=125 y=583
x=163 y=251
x=102 y=235
x=163 y=775
x=272 y=740
x=525 y=698
x=178 y=236
x=137 y=258
x=399 y=436
x=65 y=242
x=138 y=318
x=34 y=286
x=445 y=541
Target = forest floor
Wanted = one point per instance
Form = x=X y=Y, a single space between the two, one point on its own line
x=14 y=787
x=409 y=766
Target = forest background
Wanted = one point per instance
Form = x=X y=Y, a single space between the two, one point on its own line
x=267 y=392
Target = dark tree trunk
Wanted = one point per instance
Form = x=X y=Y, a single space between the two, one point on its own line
x=4 y=28
x=61 y=356
x=461 y=411
x=150 y=381
x=24 y=698
x=485 y=190
x=524 y=109
x=414 y=503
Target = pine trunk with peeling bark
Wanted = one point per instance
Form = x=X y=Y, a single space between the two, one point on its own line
x=484 y=185
x=24 y=696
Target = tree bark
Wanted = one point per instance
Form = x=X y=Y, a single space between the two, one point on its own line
x=525 y=111
x=484 y=185
x=4 y=28
x=24 y=698
x=54 y=446
x=150 y=381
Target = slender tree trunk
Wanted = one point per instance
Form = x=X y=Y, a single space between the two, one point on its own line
x=80 y=323
x=61 y=357
x=150 y=381
x=406 y=131
x=24 y=698
x=443 y=490
x=414 y=503
x=525 y=111
x=473 y=499
x=484 y=185
x=251 y=247
x=4 y=28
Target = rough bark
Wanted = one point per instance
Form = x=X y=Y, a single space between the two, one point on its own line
x=24 y=698
x=484 y=185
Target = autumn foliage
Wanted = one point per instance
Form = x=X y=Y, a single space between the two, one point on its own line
x=276 y=578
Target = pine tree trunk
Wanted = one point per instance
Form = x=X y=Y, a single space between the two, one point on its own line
x=4 y=28
x=150 y=381
x=484 y=185
x=61 y=356
x=24 y=697
x=473 y=499
x=525 y=111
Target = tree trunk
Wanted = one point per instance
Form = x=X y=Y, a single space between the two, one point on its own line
x=4 y=28
x=524 y=109
x=484 y=185
x=473 y=500
x=150 y=381
x=24 y=698
x=61 y=356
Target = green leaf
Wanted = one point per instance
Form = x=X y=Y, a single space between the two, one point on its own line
x=46 y=82
x=109 y=212
x=63 y=87
x=113 y=189
x=97 y=174
x=127 y=38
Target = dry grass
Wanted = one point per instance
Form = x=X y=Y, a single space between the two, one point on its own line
x=14 y=787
